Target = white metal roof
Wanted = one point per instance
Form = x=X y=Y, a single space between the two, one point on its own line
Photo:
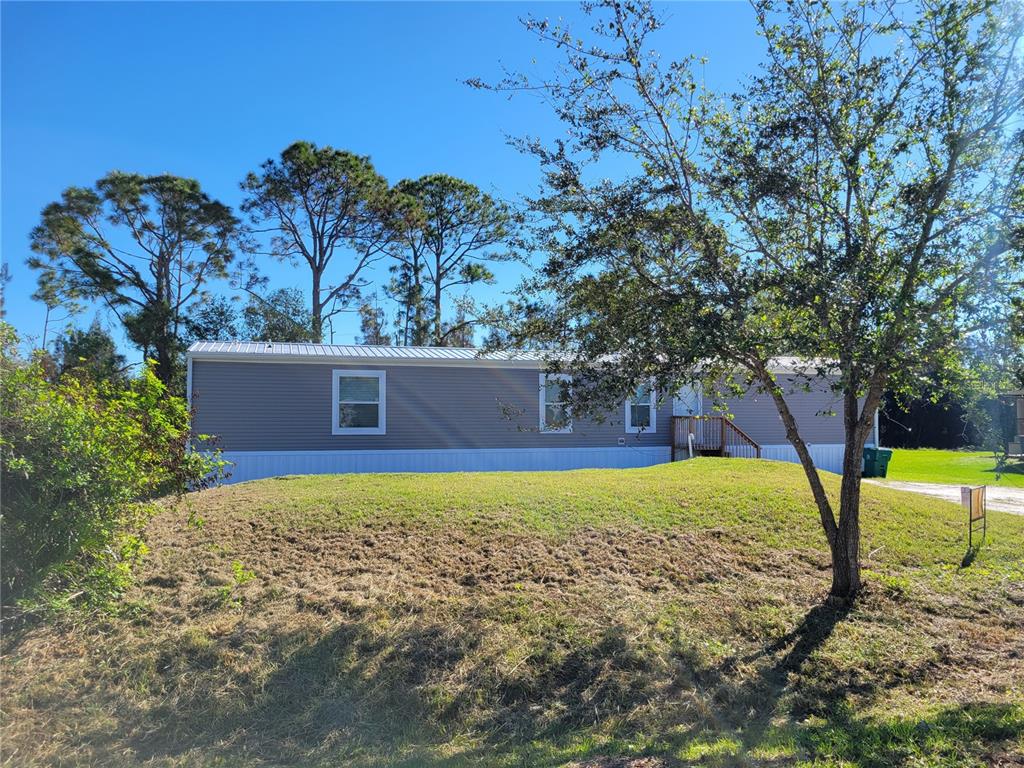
x=276 y=349
x=285 y=351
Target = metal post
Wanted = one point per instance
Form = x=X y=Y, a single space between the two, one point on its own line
x=981 y=508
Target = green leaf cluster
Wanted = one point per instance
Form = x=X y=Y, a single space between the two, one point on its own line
x=854 y=210
x=82 y=462
x=453 y=229
x=145 y=246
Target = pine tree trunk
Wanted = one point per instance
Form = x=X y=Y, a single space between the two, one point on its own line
x=165 y=362
x=438 y=329
x=317 y=312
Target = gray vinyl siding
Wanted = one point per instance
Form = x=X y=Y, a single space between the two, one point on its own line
x=263 y=406
x=755 y=413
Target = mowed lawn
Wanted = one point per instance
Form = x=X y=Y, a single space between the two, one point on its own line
x=665 y=616
x=926 y=465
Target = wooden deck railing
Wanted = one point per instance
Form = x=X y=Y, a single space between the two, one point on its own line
x=712 y=434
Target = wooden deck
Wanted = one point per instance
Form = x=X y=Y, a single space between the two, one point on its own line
x=711 y=436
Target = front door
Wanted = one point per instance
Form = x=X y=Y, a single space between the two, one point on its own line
x=687 y=401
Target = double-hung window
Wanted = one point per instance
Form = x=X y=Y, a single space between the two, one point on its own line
x=555 y=414
x=641 y=410
x=359 y=402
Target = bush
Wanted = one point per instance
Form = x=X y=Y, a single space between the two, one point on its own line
x=81 y=462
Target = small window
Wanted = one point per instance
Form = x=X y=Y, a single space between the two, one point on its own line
x=359 y=403
x=641 y=410
x=554 y=403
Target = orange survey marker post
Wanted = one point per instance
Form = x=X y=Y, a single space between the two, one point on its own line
x=973 y=499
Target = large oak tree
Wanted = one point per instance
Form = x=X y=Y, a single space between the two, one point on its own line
x=854 y=206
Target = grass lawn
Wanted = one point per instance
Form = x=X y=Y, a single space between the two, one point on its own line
x=926 y=465
x=653 y=617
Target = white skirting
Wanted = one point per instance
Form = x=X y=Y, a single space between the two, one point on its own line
x=252 y=465
x=828 y=456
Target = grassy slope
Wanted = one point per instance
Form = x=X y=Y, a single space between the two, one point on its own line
x=926 y=465
x=666 y=616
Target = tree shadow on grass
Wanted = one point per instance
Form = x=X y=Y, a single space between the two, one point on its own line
x=969 y=556
x=347 y=688
x=745 y=705
x=1014 y=468
x=355 y=691
x=360 y=697
x=819 y=721
x=948 y=736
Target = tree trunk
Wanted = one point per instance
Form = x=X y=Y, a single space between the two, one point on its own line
x=438 y=329
x=420 y=334
x=845 y=546
x=846 y=581
x=843 y=537
x=165 y=361
x=317 y=311
x=46 y=327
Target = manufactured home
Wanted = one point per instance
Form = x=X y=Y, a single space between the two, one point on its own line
x=278 y=409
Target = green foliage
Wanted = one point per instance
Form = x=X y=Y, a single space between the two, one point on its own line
x=5 y=278
x=227 y=594
x=240 y=574
x=413 y=318
x=372 y=323
x=319 y=202
x=91 y=353
x=57 y=294
x=142 y=245
x=212 y=318
x=1014 y=339
x=857 y=206
x=281 y=315
x=456 y=227
x=82 y=460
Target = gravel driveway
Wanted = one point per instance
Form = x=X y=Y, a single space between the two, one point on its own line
x=998 y=497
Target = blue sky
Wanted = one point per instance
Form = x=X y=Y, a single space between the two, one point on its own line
x=210 y=90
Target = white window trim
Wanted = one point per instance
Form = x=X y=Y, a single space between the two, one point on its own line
x=630 y=429
x=544 y=428
x=382 y=411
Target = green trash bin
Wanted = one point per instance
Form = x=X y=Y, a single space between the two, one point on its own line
x=876 y=462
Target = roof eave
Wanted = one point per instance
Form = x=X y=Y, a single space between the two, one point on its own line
x=269 y=357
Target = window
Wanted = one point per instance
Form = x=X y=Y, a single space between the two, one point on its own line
x=554 y=403
x=359 y=403
x=641 y=410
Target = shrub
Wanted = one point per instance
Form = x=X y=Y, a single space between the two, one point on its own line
x=82 y=462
